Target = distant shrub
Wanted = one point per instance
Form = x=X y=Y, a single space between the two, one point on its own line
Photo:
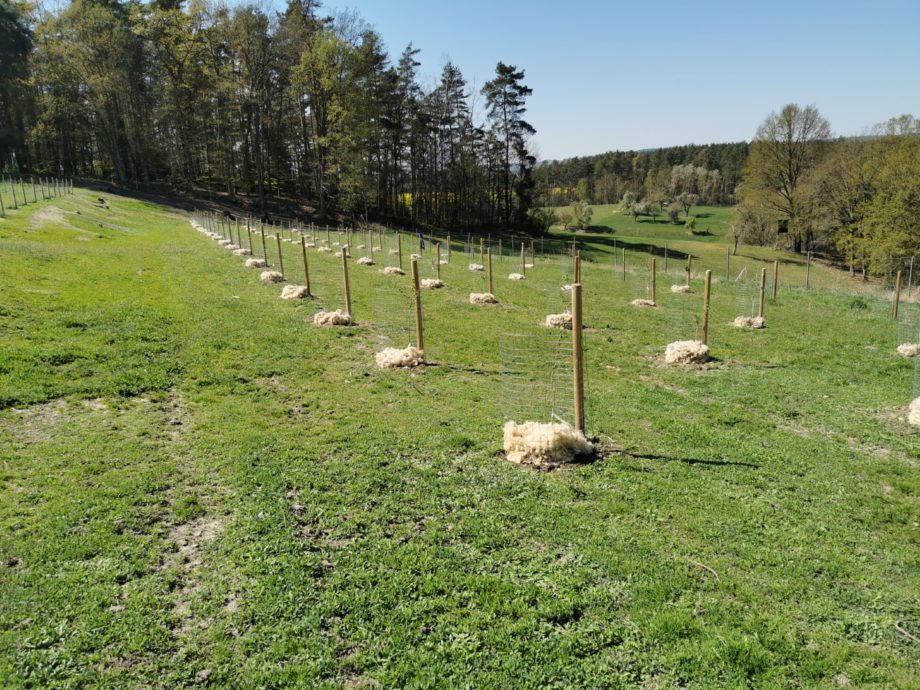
x=859 y=303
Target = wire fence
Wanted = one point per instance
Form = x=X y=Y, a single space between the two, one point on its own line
x=535 y=360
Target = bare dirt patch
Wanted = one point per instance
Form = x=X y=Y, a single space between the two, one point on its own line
x=190 y=539
x=46 y=216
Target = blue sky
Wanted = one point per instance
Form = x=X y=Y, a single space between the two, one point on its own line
x=612 y=75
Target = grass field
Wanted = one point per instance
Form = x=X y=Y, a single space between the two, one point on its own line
x=200 y=488
x=612 y=228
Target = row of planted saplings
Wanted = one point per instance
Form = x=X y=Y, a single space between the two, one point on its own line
x=543 y=445
x=680 y=352
x=346 y=239
x=532 y=442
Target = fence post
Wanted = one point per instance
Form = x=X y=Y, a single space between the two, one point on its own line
x=417 y=296
x=707 y=289
x=482 y=256
x=523 y=261
x=689 y=268
x=728 y=263
x=399 y=248
x=654 y=280
x=280 y=257
x=491 y=292
x=897 y=296
x=624 y=263
x=763 y=290
x=345 y=279
x=807 y=270
x=576 y=269
x=910 y=278
x=775 y=278
x=306 y=266
x=439 y=260
x=578 y=359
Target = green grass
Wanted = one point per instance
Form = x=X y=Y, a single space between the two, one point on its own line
x=197 y=484
x=707 y=244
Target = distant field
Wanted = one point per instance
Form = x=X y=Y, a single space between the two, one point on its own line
x=715 y=219
x=200 y=488
x=707 y=249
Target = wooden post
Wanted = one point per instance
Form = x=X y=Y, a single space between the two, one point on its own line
x=264 y=248
x=910 y=278
x=347 y=286
x=280 y=257
x=399 y=249
x=707 y=289
x=249 y=235
x=439 y=260
x=490 y=271
x=728 y=263
x=34 y=195
x=328 y=238
x=578 y=359
x=624 y=263
x=775 y=278
x=2 y=208
x=808 y=270
x=13 y=190
x=897 y=296
x=481 y=254
x=501 y=254
x=306 y=266
x=533 y=259
x=576 y=269
x=763 y=291
x=666 y=258
x=523 y=259
x=654 y=280
x=417 y=296
x=448 y=248
x=689 y=268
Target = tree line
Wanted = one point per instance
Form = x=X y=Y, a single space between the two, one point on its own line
x=711 y=171
x=255 y=104
x=854 y=199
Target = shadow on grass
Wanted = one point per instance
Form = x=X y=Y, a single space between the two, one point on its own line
x=688 y=461
x=610 y=243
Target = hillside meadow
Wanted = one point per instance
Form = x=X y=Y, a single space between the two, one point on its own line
x=201 y=488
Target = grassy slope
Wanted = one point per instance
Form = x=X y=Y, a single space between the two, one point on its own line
x=196 y=482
